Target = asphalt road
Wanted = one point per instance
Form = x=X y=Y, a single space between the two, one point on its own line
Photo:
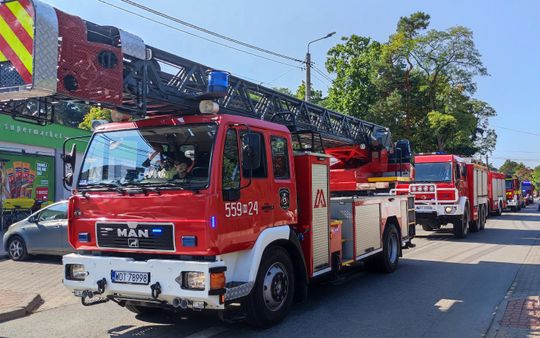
x=442 y=288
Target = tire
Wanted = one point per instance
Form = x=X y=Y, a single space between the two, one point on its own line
x=484 y=218
x=427 y=228
x=475 y=226
x=513 y=209
x=142 y=310
x=498 y=212
x=272 y=295
x=461 y=226
x=389 y=259
x=17 y=249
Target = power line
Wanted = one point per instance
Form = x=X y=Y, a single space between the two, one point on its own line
x=517 y=130
x=204 y=30
x=321 y=72
x=195 y=35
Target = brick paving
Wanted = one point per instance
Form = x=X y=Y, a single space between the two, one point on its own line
x=519 y=314
x=41 y=275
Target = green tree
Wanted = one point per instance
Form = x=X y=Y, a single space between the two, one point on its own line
x=316 y=95
x=283 y=90
x=419 y=84
x=509 y=167
x=95 y=113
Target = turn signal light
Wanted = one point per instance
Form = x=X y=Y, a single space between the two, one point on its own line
x=217 y=280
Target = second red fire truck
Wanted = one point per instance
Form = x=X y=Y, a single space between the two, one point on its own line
x=450 y=189
x=224 y=194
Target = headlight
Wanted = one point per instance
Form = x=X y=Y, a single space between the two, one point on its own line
x=448 y=210
x=76 y=272
x=193 y=280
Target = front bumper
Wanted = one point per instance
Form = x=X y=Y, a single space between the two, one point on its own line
x=511 y=203
x=435 y=215
x=165 y=272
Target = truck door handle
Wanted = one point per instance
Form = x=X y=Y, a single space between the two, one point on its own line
x=267 y=207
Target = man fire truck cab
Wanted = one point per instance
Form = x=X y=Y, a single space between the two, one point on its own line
x=514 y=195
x=448 y=189
x=223 y=194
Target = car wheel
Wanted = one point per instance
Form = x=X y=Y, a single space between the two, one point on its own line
x=17 y=249
x=272 y=295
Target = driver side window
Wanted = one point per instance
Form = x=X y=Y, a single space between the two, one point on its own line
x=231 y=162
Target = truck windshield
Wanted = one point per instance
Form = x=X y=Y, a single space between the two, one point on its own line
x=174 y=156
x=509 y=184
x=433 y=172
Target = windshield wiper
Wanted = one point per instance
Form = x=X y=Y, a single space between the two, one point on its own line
x=102 y=186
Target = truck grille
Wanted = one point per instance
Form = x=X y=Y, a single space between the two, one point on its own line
x=136 y=236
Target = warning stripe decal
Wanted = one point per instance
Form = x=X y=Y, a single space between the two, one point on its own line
x=17 y=28
x=17 y=36
x=14 y=58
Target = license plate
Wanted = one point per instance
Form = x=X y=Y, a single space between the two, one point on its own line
x=129 y=277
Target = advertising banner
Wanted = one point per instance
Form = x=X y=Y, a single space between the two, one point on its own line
x=25 y=178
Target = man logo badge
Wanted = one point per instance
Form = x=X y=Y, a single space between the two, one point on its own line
x=133 y=242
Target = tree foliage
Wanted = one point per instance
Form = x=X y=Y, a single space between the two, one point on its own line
x=420 y=83
x=95 y=113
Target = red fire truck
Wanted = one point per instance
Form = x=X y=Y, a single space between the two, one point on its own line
x=449 y=189
x=514 y=196
x=227 y=192
x=496 y=192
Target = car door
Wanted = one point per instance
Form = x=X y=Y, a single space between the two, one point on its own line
x=45 y=235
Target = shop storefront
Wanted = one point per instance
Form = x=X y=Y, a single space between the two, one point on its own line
x=30 y=162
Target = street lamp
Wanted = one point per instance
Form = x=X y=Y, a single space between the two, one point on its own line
x=308 y=66
x=2 y=179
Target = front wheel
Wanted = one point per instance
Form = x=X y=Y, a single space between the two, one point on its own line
x=461 y=226
x=17 y=249
x=272 y=295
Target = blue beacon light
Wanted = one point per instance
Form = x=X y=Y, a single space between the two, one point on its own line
x=218 y=82
x=213 y=222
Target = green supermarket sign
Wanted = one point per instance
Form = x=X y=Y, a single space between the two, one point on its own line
x=49 y=136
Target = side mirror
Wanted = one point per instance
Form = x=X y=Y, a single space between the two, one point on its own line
x=251 y=151
x=70 y=159
x=68 y=179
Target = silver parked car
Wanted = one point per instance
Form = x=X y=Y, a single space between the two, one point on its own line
x=44 y=232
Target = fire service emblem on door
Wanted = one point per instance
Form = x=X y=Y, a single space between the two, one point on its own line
x=284 y=198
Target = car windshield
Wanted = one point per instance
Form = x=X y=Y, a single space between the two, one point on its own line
x=174 y=156
x=433 y=172
x=509 y=184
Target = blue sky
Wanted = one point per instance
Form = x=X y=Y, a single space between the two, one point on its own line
x=506 y=34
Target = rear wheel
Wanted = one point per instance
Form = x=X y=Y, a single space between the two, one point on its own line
x=17 y=249
x=476 y=225
x=272 y=295
x=484 y=218
x=498 y=212
x=388 y=259
x=461 y=226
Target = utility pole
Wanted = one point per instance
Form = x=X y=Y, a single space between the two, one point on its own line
x=308 y=67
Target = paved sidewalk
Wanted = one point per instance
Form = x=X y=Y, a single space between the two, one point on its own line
x=17 y=304
x=518 y=315
x=40 y=274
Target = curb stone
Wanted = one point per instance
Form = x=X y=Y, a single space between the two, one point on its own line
x=28 y=304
